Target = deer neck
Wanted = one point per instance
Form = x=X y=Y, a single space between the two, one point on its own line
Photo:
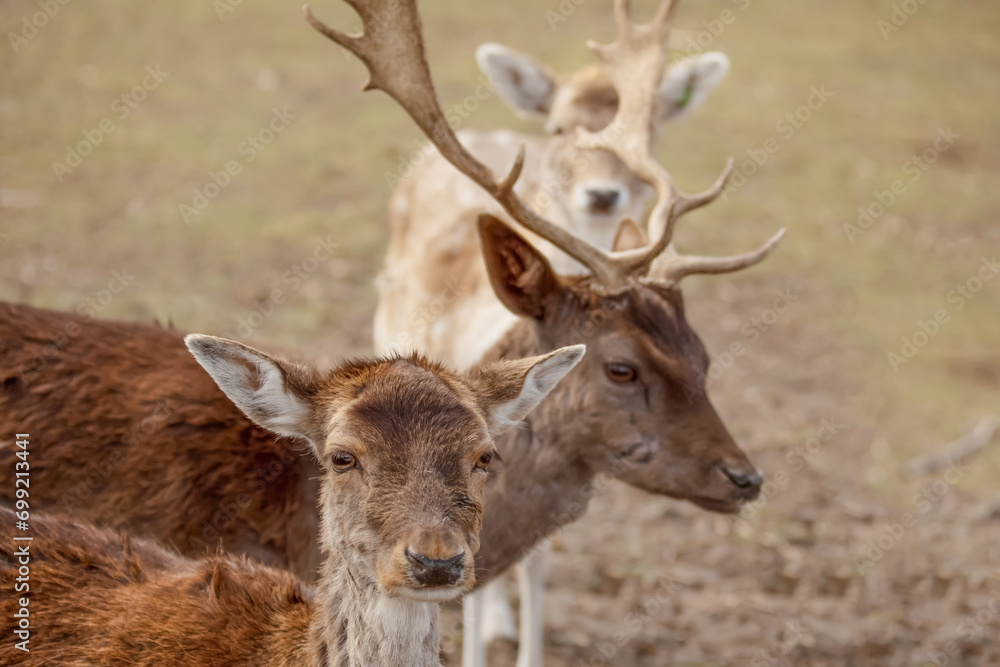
x=544 y=483
x=359 y=625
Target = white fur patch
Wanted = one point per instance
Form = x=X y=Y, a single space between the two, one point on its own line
x=254 y=383
x=538 y=382
x=524 y=84
x=688 y=84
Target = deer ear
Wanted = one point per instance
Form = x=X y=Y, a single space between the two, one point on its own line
x=629 y=236
x=688 y=84
x=524 y=84
x=509 y=390
x=522 y=277
x=274 y=394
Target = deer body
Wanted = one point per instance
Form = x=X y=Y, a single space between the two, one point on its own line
x=144 y=440
x=403 y=446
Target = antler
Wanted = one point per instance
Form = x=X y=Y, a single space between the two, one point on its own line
x=392 y=49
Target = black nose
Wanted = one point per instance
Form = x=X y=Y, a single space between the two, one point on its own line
x=431 y=572
x=602 y=201
x=748 y=482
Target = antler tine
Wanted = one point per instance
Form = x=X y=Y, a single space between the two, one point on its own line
x=392 y=48
x=635 y=63
x=669 y=268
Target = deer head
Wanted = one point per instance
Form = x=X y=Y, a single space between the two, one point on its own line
x=638 y=411
x=404 y=445
x=596 y=189
x=634 y=392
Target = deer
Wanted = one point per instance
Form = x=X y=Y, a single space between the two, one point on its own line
x=636 y=405
x=586 y=191
x=143 y=409
x=404 y=447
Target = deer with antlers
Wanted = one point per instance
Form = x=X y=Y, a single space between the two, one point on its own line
x=403 y=446
x=632 y=407
x=585 y=190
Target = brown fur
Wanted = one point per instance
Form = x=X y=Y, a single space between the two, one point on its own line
x=84 y=583
x=415 y=437
x=129 y=432
x=105 y=452
x=660 y=434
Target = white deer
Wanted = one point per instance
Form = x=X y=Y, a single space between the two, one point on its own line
x=586 y=191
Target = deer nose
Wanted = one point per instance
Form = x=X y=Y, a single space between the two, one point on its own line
x=436 y=572
x=748 y=483
x=602 y=200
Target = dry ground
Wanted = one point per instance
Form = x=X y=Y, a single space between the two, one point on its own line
x=817 y=573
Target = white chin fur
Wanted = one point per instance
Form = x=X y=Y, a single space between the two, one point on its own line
x=431 y=594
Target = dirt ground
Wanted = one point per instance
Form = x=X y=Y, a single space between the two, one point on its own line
x=888 y=352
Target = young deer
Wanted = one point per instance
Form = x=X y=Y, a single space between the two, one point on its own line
x=403 y=446
x=584 y=190
x=636 y=407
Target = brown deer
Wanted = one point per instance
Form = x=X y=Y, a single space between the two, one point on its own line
x=635 y=406
x=403 y=446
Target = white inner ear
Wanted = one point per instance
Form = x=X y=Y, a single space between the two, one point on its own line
x=688 y=84
x=523 y=84
x=538 y=382
x=255 y=384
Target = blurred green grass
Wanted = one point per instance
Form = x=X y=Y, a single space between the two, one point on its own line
x=325 y=176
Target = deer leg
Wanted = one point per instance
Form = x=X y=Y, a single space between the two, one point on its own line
x=473 y=646
x=498 y=619
x=531 y=575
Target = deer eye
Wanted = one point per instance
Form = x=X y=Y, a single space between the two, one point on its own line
x=342 y=461
x=621 y=373
x=484 y=461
